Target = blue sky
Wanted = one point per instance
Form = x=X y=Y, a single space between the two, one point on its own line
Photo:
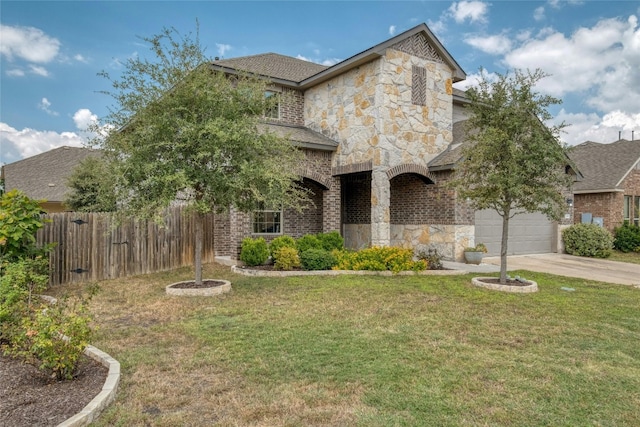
x=51 y=52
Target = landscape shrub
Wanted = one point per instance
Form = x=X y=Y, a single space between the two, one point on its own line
x=56 y=336
x=588 y=240
x=627 y=238
x=317 y=259
x=281 y=242
x=379 y=259
x=20 y=283
x=286 y=259
x=432 y=257
x=331 y=240
x=254 y=251
x=19 y=222
x=308 y=241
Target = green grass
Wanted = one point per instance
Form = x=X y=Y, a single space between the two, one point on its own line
x=372 y=351
x=631 y=257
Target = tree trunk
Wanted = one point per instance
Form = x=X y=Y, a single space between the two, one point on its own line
x=198 y=249
x=503 y=248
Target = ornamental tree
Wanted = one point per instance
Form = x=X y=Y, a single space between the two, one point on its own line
x=181 y=132
x=92 y=187
x=513 y=162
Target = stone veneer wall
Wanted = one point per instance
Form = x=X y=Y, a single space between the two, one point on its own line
x=369 y=111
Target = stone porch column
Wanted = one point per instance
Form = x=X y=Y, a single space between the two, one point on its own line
x=380 y=203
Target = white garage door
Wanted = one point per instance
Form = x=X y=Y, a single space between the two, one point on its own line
x=530 y=233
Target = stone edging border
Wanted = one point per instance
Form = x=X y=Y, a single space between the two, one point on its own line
x=206 y=292
x=90 y=412
x=533 y=287
x=267 y=273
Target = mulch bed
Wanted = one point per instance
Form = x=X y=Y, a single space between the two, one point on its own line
x=203 y=285
x=509 y=282
x=28 y=397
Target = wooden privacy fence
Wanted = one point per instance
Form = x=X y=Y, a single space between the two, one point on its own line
x=88 y=247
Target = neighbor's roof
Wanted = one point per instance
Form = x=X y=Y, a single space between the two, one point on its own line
x=44 y=176
x=301 y=136
x=604 y=166
x=303 y=74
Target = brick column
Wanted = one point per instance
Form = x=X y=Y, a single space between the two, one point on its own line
x=331 y=206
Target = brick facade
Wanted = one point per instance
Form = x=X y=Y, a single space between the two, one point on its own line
x=609 y=205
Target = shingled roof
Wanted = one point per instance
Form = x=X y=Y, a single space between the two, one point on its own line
x=301 y=136
x=604 y=166
x=44 y=176
x=273 y=65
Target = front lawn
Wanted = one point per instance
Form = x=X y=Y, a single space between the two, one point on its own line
x=371 y=351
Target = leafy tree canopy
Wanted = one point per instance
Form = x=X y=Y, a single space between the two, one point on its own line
x=92 y=186
x=183 y=131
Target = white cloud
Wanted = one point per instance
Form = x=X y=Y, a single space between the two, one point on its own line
x=474 y=11
x=603 y=62
x=15 y=72
x=494 y=45
x=28 y=43
x=45 y=105
x=83 y=118
x=474 y=79
x=538 y=14
x=18 y=144
x=81 y=58
x=38 y=70
x=591 y=127
x=327 y=62
x=222 y=49
x=392 y=30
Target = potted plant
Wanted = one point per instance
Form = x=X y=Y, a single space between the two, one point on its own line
x=473 y=255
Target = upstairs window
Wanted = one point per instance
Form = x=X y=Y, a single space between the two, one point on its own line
x=418 y=85
x=273 y=112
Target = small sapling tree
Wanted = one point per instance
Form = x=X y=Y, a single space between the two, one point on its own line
x=514 y=162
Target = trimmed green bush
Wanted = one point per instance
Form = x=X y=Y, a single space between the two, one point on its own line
x=627 y=238
x=317 y=259
x=308 y=241
x=281 y=242
x=379 y=259
x=286 y=259
x=587 y=240
x=254 y=251
x=330 y=241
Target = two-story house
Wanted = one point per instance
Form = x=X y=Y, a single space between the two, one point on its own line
x=380 y=132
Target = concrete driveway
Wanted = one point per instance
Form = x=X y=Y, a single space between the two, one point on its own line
x=568 y=265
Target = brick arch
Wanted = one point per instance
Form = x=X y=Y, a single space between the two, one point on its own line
x=420 y=170
x=322 y=180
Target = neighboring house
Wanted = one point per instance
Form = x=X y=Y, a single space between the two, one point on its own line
x=380 y=132
x=611 y=186
x=44 y=176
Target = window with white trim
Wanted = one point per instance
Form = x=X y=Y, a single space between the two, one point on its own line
x=636 y=211
x=267 y=222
